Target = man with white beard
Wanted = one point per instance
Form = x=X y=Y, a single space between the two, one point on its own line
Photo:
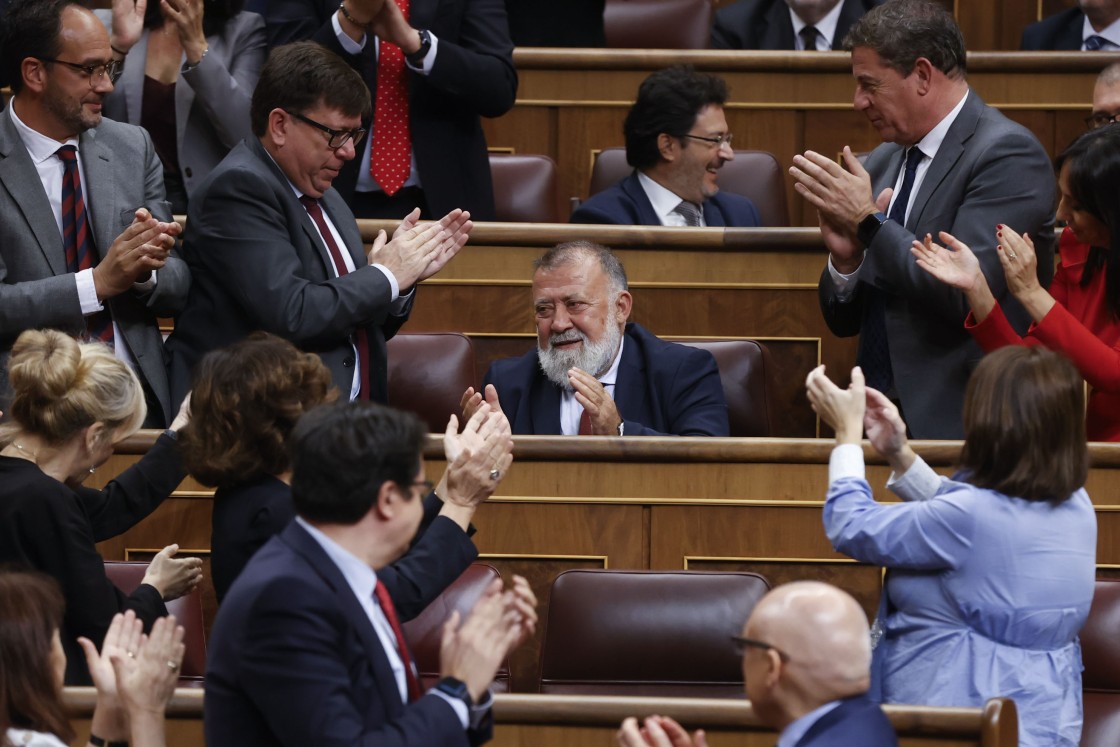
x=595 y=374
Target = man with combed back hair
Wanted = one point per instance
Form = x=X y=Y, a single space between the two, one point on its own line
x=948 y=162
x=807 y=665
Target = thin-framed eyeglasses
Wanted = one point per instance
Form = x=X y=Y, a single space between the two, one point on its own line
x=427 y=485
x=742 y=644
x=335 y=138
x=96 y=73
x=716 y=140
x=1097 y=120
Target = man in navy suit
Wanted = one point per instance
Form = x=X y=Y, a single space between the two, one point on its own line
x=307 y=648
x=594 y=374
x=806 y=25
x=807 y=665
x=677 y=140
x=1093 y=26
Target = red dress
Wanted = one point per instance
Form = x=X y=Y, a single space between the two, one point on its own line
x=1081 y=326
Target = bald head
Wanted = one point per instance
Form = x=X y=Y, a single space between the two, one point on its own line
x=823 y=634
x=1106 y=92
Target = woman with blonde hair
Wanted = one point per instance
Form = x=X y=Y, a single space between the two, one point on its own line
x=71 y=403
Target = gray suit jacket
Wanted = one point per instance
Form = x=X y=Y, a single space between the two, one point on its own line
x=259 y=264
x=988 y=170
x=211 y=101
x=122 y=173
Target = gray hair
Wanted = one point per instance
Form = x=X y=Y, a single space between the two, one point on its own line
x=573 y=251
x=901 y=31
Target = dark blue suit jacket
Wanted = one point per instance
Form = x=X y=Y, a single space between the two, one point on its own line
x=765 y=24
x=626 y=204
x=1059 y=32
x=662 y=389
x=856 y=721
x=294 y=660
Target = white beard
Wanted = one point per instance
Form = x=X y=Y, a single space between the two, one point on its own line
x=593 y=357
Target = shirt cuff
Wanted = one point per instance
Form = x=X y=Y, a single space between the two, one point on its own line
x=87 y=292
x=919 y=483
x=481 y=709
x=459 y=706
x=845 y=284
x=429 y=61
x=348 y=44
x=396 y=288
x=846 y=460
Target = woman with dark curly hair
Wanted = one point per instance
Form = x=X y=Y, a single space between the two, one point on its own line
x=191 y=69
x=245 y=403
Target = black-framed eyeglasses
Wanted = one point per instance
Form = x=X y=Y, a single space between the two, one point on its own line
x=427 y=485
x=742 y=644
x=1097 y=120
x=716 y=140
x=335 y=138
x=96 y=73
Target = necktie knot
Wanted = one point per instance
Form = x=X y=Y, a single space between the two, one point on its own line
x=309 y=202
x=1095 y=43
x=689 y=211
x=67 y=154
x=809 y=36
x=913 y=158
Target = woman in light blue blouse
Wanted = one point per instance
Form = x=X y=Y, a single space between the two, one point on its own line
x=990 y=573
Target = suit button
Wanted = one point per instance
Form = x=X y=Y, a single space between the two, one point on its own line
x=348 y=362
x=188 y=173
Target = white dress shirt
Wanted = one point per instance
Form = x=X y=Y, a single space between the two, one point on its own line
x=826 y=28
x=664 y=202
x=1110 y=34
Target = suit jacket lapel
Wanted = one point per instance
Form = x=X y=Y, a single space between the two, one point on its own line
x=952 y=147
x=544 y=404
x=304 y=544
x=628 y=386
x=779 y=28
x=98 y=167
x=633 y=188
x=19 y=177
x=850 y=12
x=131 y=85
x=712 y=215
x=347 y=227
x=184 y=94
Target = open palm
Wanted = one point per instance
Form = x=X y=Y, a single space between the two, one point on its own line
x=953 y=265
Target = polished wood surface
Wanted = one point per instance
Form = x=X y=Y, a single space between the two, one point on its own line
x=579 y=721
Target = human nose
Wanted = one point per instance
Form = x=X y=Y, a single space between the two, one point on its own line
x=346 y=151
x=561 y=320
x=101 y=82
x=1062 y=213
x=726 y=152
x=860 y=100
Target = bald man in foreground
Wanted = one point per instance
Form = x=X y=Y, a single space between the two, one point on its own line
x=806 y=662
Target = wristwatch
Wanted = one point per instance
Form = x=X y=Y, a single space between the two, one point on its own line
x=416 y=59
x=870 y=226
x=456 y=689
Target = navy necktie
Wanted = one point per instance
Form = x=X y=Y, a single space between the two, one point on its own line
x=77 y=244
x=875 y=351
x=1095 y=43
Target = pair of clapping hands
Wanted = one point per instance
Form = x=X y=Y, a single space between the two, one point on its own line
x=418 y=250
x=135 y=676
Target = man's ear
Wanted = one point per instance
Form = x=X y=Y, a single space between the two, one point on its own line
x=34 y=74
x=388 y=500
x=773 y=668
x=668 y=146
x=924 y=70
x=278 y=123
x=624 y=303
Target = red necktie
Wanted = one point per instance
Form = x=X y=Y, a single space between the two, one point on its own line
x=585 y=424
x=76 y=241
x=361 y=339
x=412 y=680
x=390 y=159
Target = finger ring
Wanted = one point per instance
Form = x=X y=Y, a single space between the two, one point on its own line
x=495 y=474
x=1011 y=255
x=131 y=654
x=172 y=665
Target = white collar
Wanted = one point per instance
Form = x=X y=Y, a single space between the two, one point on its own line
x=826 y=26
x=359 y=576
x=39 y=146
x=1110 y=33
x=664 y=200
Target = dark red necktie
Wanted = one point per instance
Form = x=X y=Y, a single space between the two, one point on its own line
x=410 y=677
x=390 y=160
x=361 y=339
x=585 y=424
x=76 y=241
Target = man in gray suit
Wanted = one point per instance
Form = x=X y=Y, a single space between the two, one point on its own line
x=949 y=163
x=86 y=237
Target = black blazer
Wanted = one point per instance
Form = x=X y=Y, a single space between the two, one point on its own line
x=765 y=24
x=1059 y=32
x=473 y=77
x=856 y=721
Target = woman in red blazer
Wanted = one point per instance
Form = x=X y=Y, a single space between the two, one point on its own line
x=1080 y=315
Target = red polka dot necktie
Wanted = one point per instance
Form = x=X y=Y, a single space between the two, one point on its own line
x=391 y=151
x=76 y=241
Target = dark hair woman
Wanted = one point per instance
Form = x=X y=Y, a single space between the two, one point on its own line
x=1080 y=315
x=989 y=574
x=190 y=73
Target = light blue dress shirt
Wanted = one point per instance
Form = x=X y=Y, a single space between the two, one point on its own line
x=985 y=596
